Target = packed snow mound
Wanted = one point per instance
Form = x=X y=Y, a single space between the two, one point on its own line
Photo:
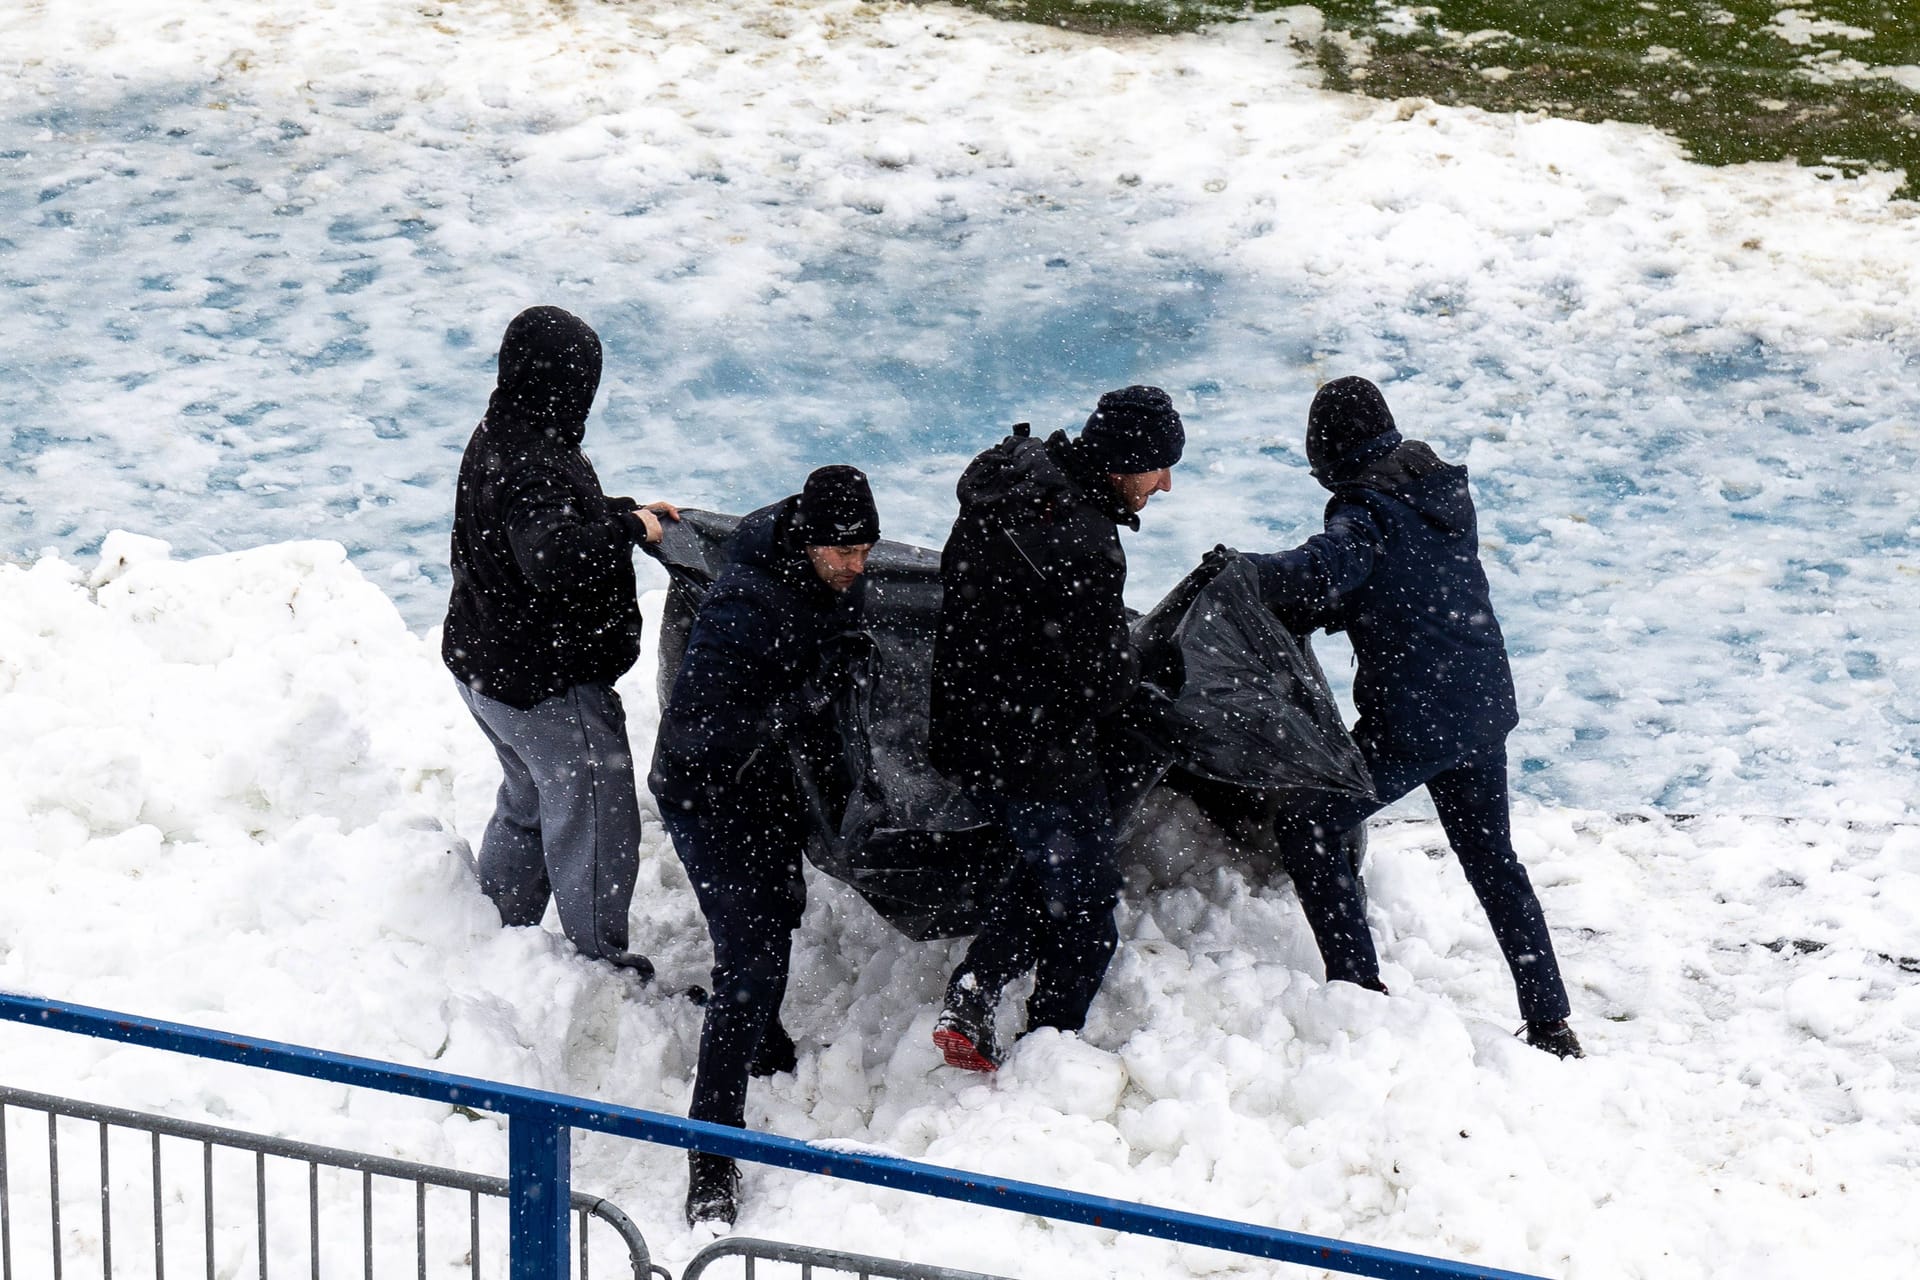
x=237 y=791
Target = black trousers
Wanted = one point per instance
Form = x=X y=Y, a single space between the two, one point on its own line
x=745 y=870
x=1054 y=914
x=1469 y=792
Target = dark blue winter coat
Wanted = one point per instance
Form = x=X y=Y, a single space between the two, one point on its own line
x=751 y=684
x=1398 y=569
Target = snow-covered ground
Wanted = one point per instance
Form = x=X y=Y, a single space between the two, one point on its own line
x=253 y=262
x=236 y=788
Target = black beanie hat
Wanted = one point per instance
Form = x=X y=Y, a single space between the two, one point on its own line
x=1132 y=430
x=836 y=509
x=1346 y=413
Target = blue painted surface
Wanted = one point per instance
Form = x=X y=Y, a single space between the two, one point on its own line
x=539 y=1183
x=237 y=327
x=537 y=1142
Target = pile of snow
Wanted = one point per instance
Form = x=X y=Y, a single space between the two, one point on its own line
x=237 y=791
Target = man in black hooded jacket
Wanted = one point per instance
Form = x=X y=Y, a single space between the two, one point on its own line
x=754 y=686
x=1032 y=655
x=542 y=619
x=1398 y=569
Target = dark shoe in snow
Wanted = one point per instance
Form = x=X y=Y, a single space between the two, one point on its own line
x=1371 y=982
x=713 y=1189
x=633 y=962
x=965 y=1037
x=775 y=1054
x=1556 y=1038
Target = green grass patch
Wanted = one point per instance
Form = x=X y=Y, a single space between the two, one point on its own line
x=1832 y=83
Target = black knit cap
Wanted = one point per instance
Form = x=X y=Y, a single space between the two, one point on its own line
x=836 y=509
x=1346 y=413
x=1132 y=430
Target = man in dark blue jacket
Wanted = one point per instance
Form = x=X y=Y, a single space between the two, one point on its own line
x=542 y=620
x=1398 y=569
x=753 y=688
x=1032 y=656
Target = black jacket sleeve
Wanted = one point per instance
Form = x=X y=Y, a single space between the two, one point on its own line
x=558 y=546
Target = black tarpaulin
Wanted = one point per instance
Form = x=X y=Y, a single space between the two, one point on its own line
x=1232 y=710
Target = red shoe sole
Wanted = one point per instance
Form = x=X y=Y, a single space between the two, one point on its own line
x=960 y=1052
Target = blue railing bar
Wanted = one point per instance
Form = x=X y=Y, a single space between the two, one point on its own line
x=539 y=1185
x=630 y=1122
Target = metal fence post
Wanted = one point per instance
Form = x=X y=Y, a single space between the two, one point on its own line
x=539 y=1137
x=539 y=1173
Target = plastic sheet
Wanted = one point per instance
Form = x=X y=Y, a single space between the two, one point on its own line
x=1232 y=710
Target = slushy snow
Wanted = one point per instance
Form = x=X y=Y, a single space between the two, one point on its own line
x=255 y=263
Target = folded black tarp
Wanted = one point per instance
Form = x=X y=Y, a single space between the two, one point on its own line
x=1232 y=710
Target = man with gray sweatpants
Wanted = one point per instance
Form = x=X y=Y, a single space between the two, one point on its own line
x=566 y=821
x=544 y=617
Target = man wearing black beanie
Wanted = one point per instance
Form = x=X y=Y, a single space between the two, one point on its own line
x=1033 y=653
x=542 y=619
x=754 y=687
x=1398 y=569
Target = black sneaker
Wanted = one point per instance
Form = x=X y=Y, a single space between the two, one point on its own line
x=633 y=962
x=1555 y=1037
x=775 y=1054
x=965 y=1033
x=713 y=1189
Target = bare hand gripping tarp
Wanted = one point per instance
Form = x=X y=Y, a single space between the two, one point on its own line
x=1232 y=710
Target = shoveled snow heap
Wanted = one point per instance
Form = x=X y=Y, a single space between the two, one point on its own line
x=238 y=791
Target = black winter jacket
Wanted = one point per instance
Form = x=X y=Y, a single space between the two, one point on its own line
x=752 y=685
x=543 y=589
x=1033 y=649
x=1398 y=568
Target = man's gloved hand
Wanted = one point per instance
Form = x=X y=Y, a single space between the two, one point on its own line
x=1212 y=563
x=1152 y=714
x=843 y=662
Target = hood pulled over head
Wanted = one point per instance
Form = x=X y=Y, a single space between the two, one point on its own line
x=1346 y=414
x=549 y=371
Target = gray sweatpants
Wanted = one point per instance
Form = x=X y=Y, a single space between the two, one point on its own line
x=566 y=822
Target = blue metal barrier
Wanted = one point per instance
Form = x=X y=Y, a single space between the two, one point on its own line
x=540 y=1124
